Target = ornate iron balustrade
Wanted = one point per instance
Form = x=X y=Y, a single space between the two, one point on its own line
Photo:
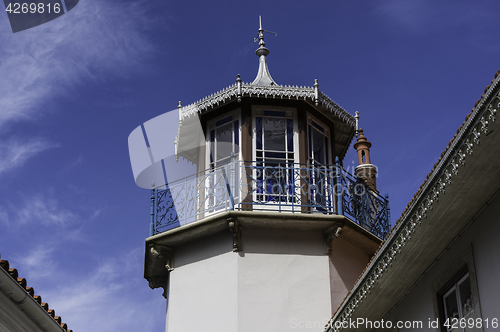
x=363 y=205
x=260 y=186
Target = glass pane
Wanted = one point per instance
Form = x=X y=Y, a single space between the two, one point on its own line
x=309 y=141
x=258 y=124
x=280 y=155
x=223 y=121
x=318 y=146
x=224 y=141
x=236 y=134
x=317 y=126
x=451 y=304
x=274 y=134
x=275 y=113
x=289 y=134
x=212 y=139
x=465 y=297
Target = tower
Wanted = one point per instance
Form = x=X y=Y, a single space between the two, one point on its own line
x=255 y=225
x=365 y=169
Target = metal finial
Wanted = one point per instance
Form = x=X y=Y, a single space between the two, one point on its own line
x=179 y=105
x=263 y=76
x=356 y=116
x=262 y=50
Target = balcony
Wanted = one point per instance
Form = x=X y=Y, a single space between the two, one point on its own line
x=258 y=186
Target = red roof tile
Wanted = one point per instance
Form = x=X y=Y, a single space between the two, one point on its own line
x=4 y=264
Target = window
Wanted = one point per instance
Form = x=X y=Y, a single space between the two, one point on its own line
x=319 y=156
x=458 y=300
x=318 y=143
x=275 y=153
x=216 y=187
x=274 y=138
x=457 y=304
x=223 y=139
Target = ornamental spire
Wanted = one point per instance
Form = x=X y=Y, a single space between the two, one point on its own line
x=263 y=76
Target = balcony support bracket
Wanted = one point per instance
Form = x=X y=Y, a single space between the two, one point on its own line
x=235 y=228
x=331 y=233
x=159 y=262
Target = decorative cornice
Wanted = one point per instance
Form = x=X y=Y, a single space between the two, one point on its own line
x=441 y=177
x=239 y=90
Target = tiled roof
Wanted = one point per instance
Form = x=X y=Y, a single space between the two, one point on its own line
x=413 y=200
x=4 y=264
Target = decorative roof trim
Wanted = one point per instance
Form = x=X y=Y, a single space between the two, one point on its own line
x=458 y=150
x=239 y=90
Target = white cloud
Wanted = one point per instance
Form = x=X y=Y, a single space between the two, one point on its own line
x=37 y=262
x=432 y=16
x=95 y=39
x=14 y=153
x=109 y=298
x=42 y=209
x=107 y=295
x=412 y=14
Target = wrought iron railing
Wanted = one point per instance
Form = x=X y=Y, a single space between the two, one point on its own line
x=261 y=186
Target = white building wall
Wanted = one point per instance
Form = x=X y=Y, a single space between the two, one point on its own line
x=284 y=282
x=346 y=264
x=279 y=282
x=481 y=242
x=203 y=294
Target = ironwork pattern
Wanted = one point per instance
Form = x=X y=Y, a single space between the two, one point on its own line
x=192 y=198
x=364 y=205
x=293 y=188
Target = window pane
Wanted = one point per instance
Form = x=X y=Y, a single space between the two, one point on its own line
x=317 y=126
x=212 y=139
x=279 y=155
x=223 y=121
x=465 y=297
x=258 y=124
x=274 y=134
x=289 y=134
x=309 y=141
x=451 y=305
x=224 y=141
x=318 y=145
x=274 y=113
x=236 y=134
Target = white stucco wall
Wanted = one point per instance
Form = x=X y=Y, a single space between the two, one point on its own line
x=279 y=282
x=284 y=282
x=481 y=241
x=346 y=264
x=203 y=287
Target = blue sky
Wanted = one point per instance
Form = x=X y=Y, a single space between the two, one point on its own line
x=71 y=91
